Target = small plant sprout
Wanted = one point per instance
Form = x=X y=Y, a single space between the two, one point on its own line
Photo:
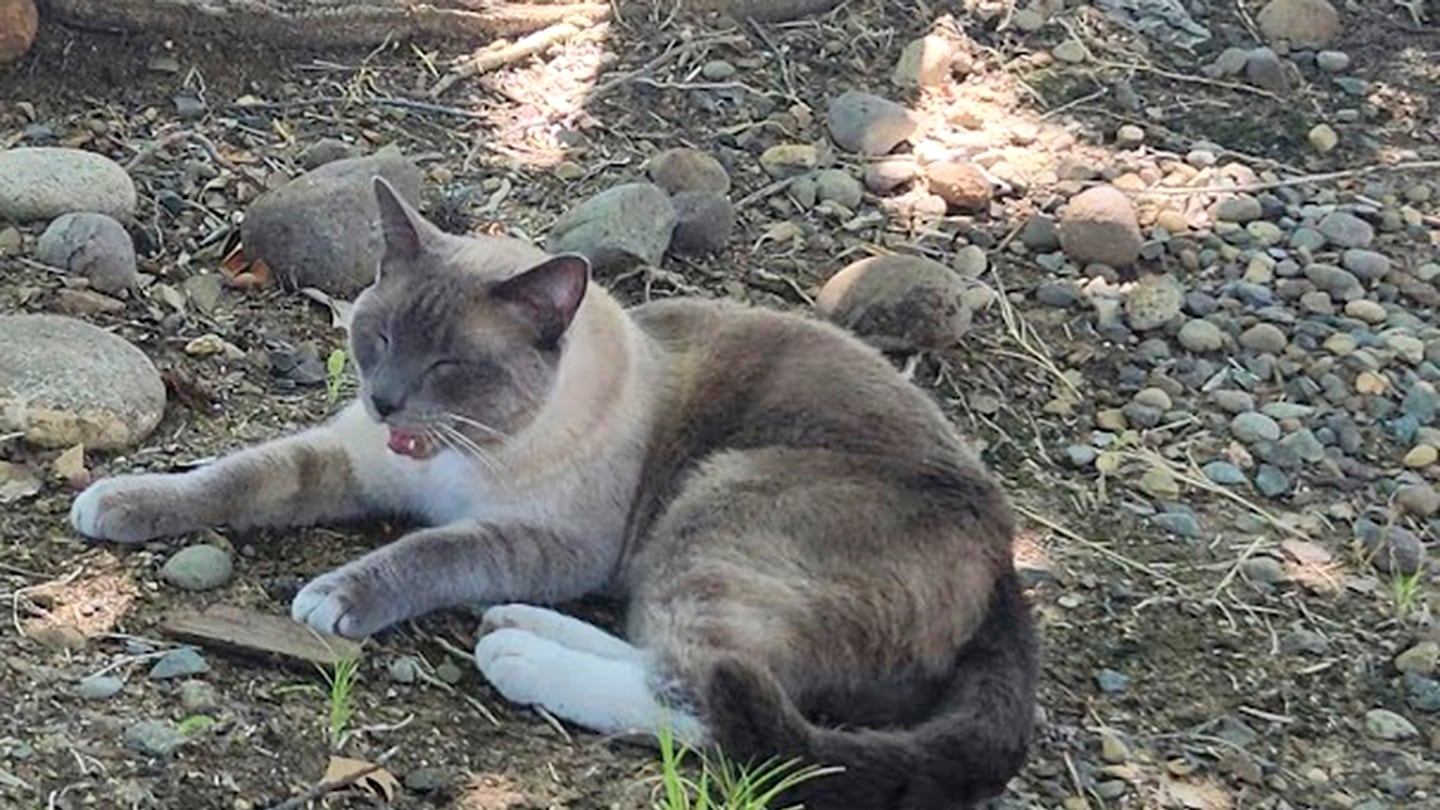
x=334 y=374
x=1406 y=590
x=720 y=784
x=341 y=681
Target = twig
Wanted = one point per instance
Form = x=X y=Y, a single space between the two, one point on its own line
x=1187 y=79
x=474 y=703
x=15 y=569
x=764 y=192
x=1235 y=566
x=379 y=101
x=1300 y=180
x=1075 y=102
x=1099 y=548
x=128 y=659
x=488 y=60
x=326 y=786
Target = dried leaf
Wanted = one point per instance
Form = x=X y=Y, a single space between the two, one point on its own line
x=235 y=262
x=17 y=482
x=340 y=310
x=70 y=466
x=1197 y=796
x=378 y=782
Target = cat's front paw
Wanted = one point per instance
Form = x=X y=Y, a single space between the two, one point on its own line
x=130 y=508
x=345 y=603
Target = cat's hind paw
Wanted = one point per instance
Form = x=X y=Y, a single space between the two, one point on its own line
x=567 y=631
x=129 y=509
x=523 y=667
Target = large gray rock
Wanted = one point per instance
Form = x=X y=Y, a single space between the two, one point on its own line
x=1302 y=23
x=64 y=382
x=92 y=245
x=617 y=228
x=322 y=228
x=869 y=124
x=897 y=303
x=43 y=182
x=703 y=222
x=684 y=169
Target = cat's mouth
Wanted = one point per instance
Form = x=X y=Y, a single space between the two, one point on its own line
x=412 y=443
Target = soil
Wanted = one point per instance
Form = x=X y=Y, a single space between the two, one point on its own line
x=1217 y=713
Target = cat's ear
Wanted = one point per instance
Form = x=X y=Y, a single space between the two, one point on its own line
x=547 y=295
x=400 y=224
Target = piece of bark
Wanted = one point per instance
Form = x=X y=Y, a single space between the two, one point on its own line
x=259 y=634
x=325 y=23
x=490 y=59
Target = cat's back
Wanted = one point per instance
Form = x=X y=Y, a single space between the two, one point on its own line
x=741 y=376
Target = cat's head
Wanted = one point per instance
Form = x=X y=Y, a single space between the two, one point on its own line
x=458 y=342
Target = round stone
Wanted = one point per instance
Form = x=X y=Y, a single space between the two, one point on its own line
x=1200 y=335
x=1254 y=427
x=1302 y=23
x=19 y=22
x=1332 y=61
x=45 y=182
x=837 y=186
x=64 y=382
x=198 y=568
x=961 y=185
x=1099 y=225
x=703 y=222
x=92 y=245
x=684 y=169
x=1264 y=337
x=868 y=124
x=1363 y=309
x=1420 y=456
x=1323 y=138
x=897 y=302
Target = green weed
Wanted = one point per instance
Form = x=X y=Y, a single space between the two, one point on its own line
x=723 y=785
x=334 y=375
x=1405 y=592
x=342 y=682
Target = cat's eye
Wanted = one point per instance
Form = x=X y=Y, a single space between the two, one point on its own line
x=443 y=365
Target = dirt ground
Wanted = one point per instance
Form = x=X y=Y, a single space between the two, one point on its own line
x=1217 y=708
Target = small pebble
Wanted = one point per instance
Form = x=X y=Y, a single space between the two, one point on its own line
x=99 y=687
x=1323 y=139
x=179 y=663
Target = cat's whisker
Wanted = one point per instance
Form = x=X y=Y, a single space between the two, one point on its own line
x=467 y=447
x=469 y=458
x=478 y=425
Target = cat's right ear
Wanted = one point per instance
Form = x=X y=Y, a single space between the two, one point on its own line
x=400 y=224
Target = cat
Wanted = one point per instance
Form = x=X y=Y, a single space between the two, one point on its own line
x=814 y=563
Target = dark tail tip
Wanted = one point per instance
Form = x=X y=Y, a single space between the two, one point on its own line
x=750 y=715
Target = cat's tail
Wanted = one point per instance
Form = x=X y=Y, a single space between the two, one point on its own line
x=967 y=752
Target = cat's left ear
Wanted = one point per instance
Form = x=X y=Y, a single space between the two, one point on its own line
x=547 y=295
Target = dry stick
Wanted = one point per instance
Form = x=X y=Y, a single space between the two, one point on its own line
x=323 y=786
x=379 y=101
x=1298 y=180
x=486 y=61
x=764 y=192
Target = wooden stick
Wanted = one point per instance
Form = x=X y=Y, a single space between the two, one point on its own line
x=488 y=60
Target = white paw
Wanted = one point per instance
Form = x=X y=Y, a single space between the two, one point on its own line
x=520 y=664
x=128 y=508
x=567 y=631
x=340 y=603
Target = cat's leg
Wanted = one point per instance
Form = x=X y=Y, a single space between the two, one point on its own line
x=607 y=695
x=303 y=479
x=460 y=563
x=566 y=631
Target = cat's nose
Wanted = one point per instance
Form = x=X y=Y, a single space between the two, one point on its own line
x=384 y=405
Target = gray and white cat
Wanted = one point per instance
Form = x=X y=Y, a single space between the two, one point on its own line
x=814 y=563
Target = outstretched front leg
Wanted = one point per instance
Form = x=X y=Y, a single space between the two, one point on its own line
x=299 y=480
x=464 y=562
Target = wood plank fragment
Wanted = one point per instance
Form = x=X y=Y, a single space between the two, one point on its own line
x=257 y=634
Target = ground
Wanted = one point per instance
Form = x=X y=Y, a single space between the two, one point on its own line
x=1230 y=665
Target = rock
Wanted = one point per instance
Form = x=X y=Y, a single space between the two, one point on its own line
x=1129 y=136
x=1266 y=570
x=1180 y=524
x=1271 y=481
x=1394 y=550
x=85 y=302
x=884 y=176
x=1041 y=234
x=683 y=169
x=1099 y=226
x=429 y=779
x=1332 y=61
x=1242 y=209
x=897 y=302
x=1421 y=456
x=1421 y=659
x=44 y=182
x=1070 y=51
x=1059 y=294
x=1114 y=750
x=198 y=697
x=1308 y=642
x=327 y=150
x=92 y=245
x=1302 y=23
x=404 y=669
x=1323 y=138
x=1153 y=302
x=617 y=228
x=99 y=687
x=1112 y=682
x=718 y=70
x=64 y=382
x=1366 y=264
x=1363 y=309
x=703 y=222
x=1264 y=337
x=181 y=662
x=1383 y=724
x=1265 y=69
x=1231 y=61
x=789 y=159
x=1160 y=484
x=837 y=186
x=19 y=22
x=1199 y=335
x=1423 y=694
x=963 y=186
x=1254 y=427
x=155 y=738
x=1419 y=499
x=868 y=124
x=1346 y=230
x=198 y=568
x=1224 y=473
x=1081 y=456
x=321 y=229
x=925 y=62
